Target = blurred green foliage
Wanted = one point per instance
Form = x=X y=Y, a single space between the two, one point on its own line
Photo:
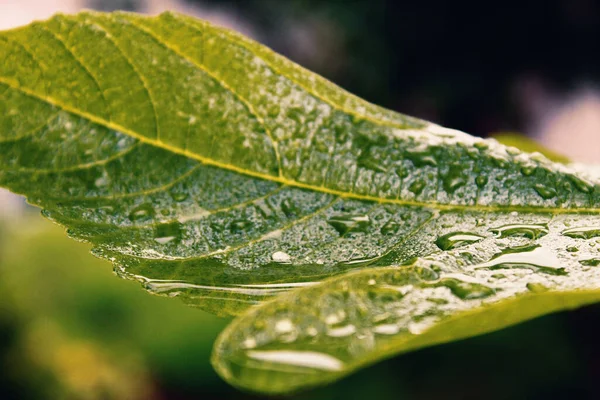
x=77 y=331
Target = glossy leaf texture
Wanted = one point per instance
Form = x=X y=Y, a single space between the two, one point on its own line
x=214 y=170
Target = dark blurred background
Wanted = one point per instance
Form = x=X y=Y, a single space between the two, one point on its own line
x=68 y=329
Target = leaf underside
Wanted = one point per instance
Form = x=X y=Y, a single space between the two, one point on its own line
x=213 y=170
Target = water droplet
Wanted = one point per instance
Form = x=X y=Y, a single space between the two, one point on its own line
x=456 y=239
x=284 y=326
x=386 y=329
x=536 y=287
x=239 y=226
x=466 y=290
x=453 y=183
x=527 y=170
x=179 y=196
x=545 y=191
x=142 y=212
x=529 y=257
x=586 y=232
x=572 y=249
x=274 y=110
x=454 y=179
x=341 y=331
x=481 y=181
x=168 y=232
x=249 y=343
x=281 y=257
x=346 y=223
x=531 y=231
x=582 y=185
x=592 y=262
x=437 y=300
x=390 y=228
x=422 y=159
x=297 y=358
x=417 y=187
x=427 y=274
x=481 y=145
x=335 y=318
x=288 y=207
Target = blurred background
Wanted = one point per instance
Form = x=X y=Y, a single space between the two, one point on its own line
x=69 y=329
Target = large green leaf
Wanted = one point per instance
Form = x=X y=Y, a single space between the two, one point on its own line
x=211 y=169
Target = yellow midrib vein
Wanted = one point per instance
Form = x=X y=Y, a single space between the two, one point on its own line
x=279 y=179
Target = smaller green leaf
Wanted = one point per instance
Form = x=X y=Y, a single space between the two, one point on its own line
x=490 y=270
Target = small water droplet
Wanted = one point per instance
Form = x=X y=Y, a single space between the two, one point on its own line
x=417 y=187
x=249 y=343
x=527 y=170
x=582 y=185
x=341 y=331
x=531 y=231
x=281 y=257
x=168 y=232
x=142 y=212
x=586 y=232
x=390 y=228
x=179 y=196
x=466 y=290
x=572 y=249
x=592 y=262
x=284 y=326
x=335 y=318
x=544 y=191
x=422 y=159
x=288 y=207
x=536 y=287
x=481 y=181
x=239 y=226
x=456 y=239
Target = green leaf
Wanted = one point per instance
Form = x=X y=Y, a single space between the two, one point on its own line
x=214 y=170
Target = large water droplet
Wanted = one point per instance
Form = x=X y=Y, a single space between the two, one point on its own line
x=346 y=223
x=531 y=231
x=456 y=239
x=586 y=232
x=297 y=358
x=528 y=257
